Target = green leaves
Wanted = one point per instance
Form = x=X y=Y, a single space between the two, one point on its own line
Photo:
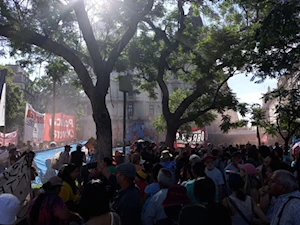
x=15 y=103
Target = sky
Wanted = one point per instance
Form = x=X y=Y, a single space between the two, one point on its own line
x=248 y=91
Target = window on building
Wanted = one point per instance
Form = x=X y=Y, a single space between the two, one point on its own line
x=151 y=110
x=130 y=109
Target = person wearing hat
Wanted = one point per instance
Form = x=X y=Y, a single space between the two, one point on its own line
x=9 y=208
x=212 y=172
x=48 y=208
x=167 y=163
x=127 y=204
x=252 y=183
x=176 y=198
x=141 y=181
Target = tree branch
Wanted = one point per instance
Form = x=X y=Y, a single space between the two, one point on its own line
x=31 y=37
x=194 y=116
x=161 y=34
x=88 y=35
x=193 y=97
x=122 y=43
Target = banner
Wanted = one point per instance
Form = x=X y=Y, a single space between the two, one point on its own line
x=9 y=138
x=16 y=180
x=195 y=136
x=34 y=125
x=64 y=127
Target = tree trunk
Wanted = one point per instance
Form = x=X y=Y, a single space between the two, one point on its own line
x=286 y=145
x=103 y=125
x=258 y=136
x=53 y=109
x=171 y=136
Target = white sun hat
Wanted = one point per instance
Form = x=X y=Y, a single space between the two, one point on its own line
x=9 y=207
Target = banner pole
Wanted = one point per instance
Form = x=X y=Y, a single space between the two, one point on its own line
x=4 y=134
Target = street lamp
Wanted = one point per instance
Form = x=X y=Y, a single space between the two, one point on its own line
x=124 y=86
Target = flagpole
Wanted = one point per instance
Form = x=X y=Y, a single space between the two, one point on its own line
x=3 y=101
x=4 y=132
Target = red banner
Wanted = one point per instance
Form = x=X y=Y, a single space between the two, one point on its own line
x=11 y=138
x=64 y=127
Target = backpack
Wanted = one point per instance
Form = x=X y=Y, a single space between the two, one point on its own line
x=56 y=162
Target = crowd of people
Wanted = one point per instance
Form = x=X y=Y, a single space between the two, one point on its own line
x=218 y=185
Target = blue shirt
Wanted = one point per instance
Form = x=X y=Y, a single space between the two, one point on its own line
x=151 y=189
x=170 y=165
x=290 y=215
x=155 y=211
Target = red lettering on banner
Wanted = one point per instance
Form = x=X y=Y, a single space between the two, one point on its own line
x=64 y=127
x=31 y=114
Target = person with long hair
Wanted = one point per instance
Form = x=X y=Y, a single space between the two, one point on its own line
x=48 y=208
x=94 y=205
x=69 y=191
x=242 y=208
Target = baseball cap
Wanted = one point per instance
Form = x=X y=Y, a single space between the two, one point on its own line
x=177 y=195
x=126 y=169
x=249 y=168
x=9 y=207
x=55 y=181
x=208 y=156
x=68 y=146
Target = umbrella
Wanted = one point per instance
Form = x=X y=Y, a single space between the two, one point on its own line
x=296 y=149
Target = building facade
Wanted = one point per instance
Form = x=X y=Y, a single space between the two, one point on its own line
x=21 y=79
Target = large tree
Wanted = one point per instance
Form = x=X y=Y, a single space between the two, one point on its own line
x=178 y=46
x=59 y=27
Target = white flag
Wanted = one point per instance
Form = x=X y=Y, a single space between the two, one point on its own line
x=2 y=105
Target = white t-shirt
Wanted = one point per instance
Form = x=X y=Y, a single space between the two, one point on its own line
x=217 y=177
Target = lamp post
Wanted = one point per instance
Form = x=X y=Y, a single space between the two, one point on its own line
x=124 y=86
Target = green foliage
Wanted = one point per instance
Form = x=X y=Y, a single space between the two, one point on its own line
x=277 y=41
x=15 y=103
x=286 y=122
x=56 y=69
x=258 y=116
x=160 y=124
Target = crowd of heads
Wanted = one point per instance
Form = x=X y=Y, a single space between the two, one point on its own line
x=159 y=185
